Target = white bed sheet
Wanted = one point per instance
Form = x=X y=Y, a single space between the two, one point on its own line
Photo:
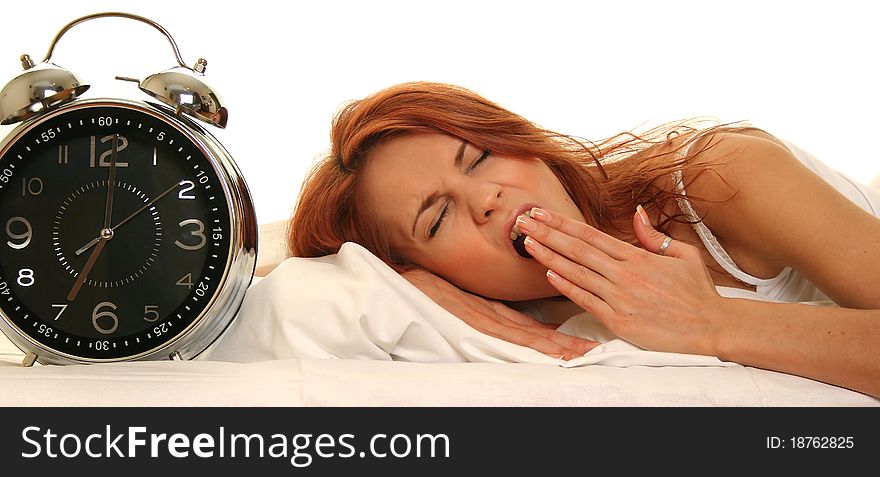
x=334 y=382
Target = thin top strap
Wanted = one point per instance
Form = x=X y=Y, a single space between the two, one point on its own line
x=712 y=245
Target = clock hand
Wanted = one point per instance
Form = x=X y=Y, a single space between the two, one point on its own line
x=113 y=229
x=108 y=204
x=111 y=183
x=88 y=245
x=133 y=214
x=87 y=268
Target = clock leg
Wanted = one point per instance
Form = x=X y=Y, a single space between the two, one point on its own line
x=29 y=359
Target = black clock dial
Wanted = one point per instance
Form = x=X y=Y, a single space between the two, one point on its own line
x=109 y=252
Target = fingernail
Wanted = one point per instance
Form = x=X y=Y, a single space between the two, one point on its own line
x=530 y=243
x=525 y=224
x=643 y=215
x=553 y=276
x=541 y=214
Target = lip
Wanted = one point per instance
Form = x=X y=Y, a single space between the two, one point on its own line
x=511 y=221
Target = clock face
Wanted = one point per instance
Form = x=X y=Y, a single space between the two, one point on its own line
x=115 y=231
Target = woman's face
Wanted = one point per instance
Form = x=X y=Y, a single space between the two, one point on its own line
x=449 y=209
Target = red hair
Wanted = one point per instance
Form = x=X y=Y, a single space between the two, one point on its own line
x=606 y=179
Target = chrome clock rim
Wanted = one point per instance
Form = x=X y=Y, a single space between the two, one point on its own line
x=223 y=306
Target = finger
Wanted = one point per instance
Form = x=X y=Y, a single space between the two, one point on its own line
x=651 y=238
x=518 y=317
x=579 y=230
x=579 y=346
x=529 y=338
x=575 y=249
x=581 y=276
x=576 y=343
x=537 y=338
x=583 y=298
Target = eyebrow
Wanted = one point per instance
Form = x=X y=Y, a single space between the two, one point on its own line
x=429 y=201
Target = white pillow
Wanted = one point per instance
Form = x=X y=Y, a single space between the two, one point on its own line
x=346 y=305
x=351 y=305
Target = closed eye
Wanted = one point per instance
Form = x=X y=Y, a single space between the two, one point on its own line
x=479 y=160
x=436 y=226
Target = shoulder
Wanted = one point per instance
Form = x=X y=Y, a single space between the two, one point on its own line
x=726 y=148
x=735 y=181
x=742 y=147
x=736 y=164
x=771 y=211
x=733 y=174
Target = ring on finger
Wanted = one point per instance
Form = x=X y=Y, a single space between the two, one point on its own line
x=663 y=246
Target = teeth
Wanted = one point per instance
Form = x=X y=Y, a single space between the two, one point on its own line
x=515 y=232
x=516 y=236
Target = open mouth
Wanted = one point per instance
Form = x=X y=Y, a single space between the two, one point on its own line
x=519 y=239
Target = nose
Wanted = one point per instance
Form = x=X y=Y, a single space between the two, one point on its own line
x=483 y=200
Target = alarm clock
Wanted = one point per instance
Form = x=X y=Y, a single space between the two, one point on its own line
x=128 y=231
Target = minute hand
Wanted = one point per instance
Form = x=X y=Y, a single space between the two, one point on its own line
x=148 y=204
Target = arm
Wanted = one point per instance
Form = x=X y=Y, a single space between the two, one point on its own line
x=668 y=302
x=796 y=219
x=834 y=345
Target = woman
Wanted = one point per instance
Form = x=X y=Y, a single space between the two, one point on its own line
x=640 y=231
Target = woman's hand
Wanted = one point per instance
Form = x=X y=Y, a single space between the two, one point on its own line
x=658 y=299
x=495 y=319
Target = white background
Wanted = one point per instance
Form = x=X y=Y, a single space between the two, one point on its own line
x=806 y=71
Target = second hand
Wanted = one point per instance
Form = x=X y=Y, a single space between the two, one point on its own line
x=123 y=221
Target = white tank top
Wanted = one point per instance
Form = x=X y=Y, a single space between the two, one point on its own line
x=789 y=285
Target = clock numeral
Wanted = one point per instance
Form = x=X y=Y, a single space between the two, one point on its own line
x=202 y=289
x=107 y=315
x=151 y=313
x=203 y=178
x=5 y=174
x=4 y=288
x=62 y=308
x=25 y=237
x=104 y=159
x=198 y=232
x=186 y=281
x=63 y=154
x=32 y=186
x=45 y=330
x=48 y=135
x=102 y=345
x=187 y=186
x=160 y=329
x=26 y=277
